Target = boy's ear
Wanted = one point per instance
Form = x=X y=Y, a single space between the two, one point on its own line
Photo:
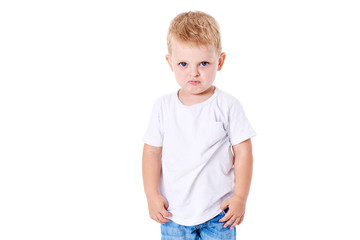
x=221 y=60
x=168 y=59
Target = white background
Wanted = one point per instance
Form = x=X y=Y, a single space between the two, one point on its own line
x=78 y=80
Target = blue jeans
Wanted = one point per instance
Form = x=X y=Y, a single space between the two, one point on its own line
x=210 y=230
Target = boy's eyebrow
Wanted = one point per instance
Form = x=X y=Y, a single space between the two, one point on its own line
x=182 y=60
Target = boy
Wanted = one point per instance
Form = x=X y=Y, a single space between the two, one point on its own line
x=195 y=185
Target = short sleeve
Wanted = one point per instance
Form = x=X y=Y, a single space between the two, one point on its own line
x=239 y=126
x=154 y=134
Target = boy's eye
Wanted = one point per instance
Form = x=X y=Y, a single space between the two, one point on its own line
x=204 y=63
x=183 y=64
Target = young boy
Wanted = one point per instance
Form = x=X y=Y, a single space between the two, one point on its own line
x=197 y=157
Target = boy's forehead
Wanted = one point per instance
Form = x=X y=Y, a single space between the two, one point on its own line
x=192 y=50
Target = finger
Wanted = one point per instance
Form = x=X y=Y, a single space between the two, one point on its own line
x=161 y=219
x=227 y=216
x=155 y=219
x=224 y=205
x=241 y=219
x=166 y=204
x=236 y=222
x=165 y=218
x=229 y=222
x=165 y=213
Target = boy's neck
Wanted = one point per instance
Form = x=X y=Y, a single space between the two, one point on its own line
x=189 y=99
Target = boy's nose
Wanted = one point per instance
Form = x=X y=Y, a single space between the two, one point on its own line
x=194 y=72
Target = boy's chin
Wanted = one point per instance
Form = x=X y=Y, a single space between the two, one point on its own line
x=196 y=90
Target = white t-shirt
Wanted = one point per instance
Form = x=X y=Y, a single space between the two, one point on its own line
x=197 y=161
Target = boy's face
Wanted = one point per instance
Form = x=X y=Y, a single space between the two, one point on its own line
x=194 y=67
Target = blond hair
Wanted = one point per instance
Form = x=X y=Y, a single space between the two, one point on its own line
x=195 y=28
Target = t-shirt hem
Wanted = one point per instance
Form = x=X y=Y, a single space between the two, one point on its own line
x=193 y=222
x=237 y=140
x=152 y=142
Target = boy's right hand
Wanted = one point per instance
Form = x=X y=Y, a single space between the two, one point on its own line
x=158 y=205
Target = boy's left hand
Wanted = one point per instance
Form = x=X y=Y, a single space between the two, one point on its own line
x=236 y=212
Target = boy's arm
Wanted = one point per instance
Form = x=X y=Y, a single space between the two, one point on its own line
x=243 y=166
x=151 y=169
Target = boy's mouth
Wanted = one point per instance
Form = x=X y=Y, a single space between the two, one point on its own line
x=194 y=82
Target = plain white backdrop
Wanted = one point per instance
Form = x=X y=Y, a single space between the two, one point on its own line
x=78 y=80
